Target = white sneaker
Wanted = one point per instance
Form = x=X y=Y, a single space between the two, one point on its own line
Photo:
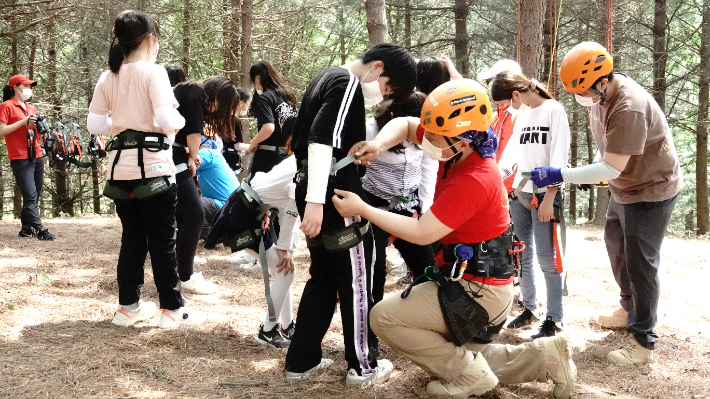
x=199 y=261
x=240 y=257
x=250 y=267
x=399 y=271
x=180 y=317
x=324 y=364
x=380 y=374
x=125 y=318
x=198 y=285
x=396 y=258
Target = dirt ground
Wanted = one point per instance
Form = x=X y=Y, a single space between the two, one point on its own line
x=56 y=340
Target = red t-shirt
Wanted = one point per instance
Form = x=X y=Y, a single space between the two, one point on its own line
x=471 y=200
x=10 y=112
x=503 y=127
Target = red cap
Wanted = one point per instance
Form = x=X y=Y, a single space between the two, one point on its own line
x=21 y=79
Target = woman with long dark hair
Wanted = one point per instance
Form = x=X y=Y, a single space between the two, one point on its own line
x=541 y=137
x=213 y=101
x=275 y=111
x=141 y=175
x=17 y=126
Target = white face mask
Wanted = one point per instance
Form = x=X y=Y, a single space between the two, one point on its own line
x=155 y=56
x=516 y=112
x=371 y=91
x=435 y=152
x=26 y=94
x=586 y=101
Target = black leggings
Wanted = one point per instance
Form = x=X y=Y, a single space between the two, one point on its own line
x=189 y=215
x=417 y=257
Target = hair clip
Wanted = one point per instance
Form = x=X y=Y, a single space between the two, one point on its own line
x=533 y=84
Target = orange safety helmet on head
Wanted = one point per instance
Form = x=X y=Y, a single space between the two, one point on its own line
x=457 y=107
x=583 y=65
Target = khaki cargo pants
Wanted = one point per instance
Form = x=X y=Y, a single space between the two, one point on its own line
x=415 y=327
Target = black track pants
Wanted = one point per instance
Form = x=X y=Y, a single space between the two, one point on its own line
x=148 y=226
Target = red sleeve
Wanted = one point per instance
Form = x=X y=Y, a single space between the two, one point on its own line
x=4 y=114
x=420 y=133
x=460 y=200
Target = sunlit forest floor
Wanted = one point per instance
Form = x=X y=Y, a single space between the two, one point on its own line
x=56 y=340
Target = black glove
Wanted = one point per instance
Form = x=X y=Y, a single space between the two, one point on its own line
x=583 y=187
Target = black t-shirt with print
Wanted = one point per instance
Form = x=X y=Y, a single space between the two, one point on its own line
x=192 y=106
x=332 y=112
x=269 y=107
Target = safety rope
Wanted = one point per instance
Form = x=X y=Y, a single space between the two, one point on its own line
x=552 y=78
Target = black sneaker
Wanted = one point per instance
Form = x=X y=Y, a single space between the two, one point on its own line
x=288 y=332
x=523 y=319
x=27 y=231
x=272 y=337
x=547 y=329
x=45 y=235
x=407 y=279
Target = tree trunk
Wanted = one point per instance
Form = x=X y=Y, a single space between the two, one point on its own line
x=247 y=15
x=230 y=39
x=660 y=55
x=17 y=201
x=376 y=22
x=186 y=37
x=407 y=24
x=33 y=54
x=461 y=9
x=603 y=196
x=701 y=163
x=341 y=22
x=246 y=138
x=532 y=18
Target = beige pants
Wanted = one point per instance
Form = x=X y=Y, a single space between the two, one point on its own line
x=415 y=327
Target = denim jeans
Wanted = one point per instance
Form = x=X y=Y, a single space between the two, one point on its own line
x=538 y=240
x=29 y=176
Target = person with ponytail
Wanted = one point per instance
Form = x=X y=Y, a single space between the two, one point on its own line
x=213 y=101
x=541 y=137
x=17 y=126
x=275 y=111
x=141 y=175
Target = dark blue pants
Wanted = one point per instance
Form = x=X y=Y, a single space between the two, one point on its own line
x=633 y=234
x=29 y=176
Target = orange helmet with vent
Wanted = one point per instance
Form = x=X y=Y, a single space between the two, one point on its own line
x=456 y=107
x=583 y=65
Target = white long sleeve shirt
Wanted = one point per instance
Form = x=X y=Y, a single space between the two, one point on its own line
x=277 y=189
x=541 y=137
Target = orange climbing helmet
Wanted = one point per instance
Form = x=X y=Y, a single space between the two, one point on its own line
x=583 y=65
x=457 y=107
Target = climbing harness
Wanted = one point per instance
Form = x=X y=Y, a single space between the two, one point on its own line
x=559 y=228
x=76 y=147
x=250 y=202
x=281 y=151
x=465 y=318
x=341 y=239
x=148 y=187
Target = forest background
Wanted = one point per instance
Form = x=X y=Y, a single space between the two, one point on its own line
x=662 y=44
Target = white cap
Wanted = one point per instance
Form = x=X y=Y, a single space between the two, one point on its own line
x=498 y=67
